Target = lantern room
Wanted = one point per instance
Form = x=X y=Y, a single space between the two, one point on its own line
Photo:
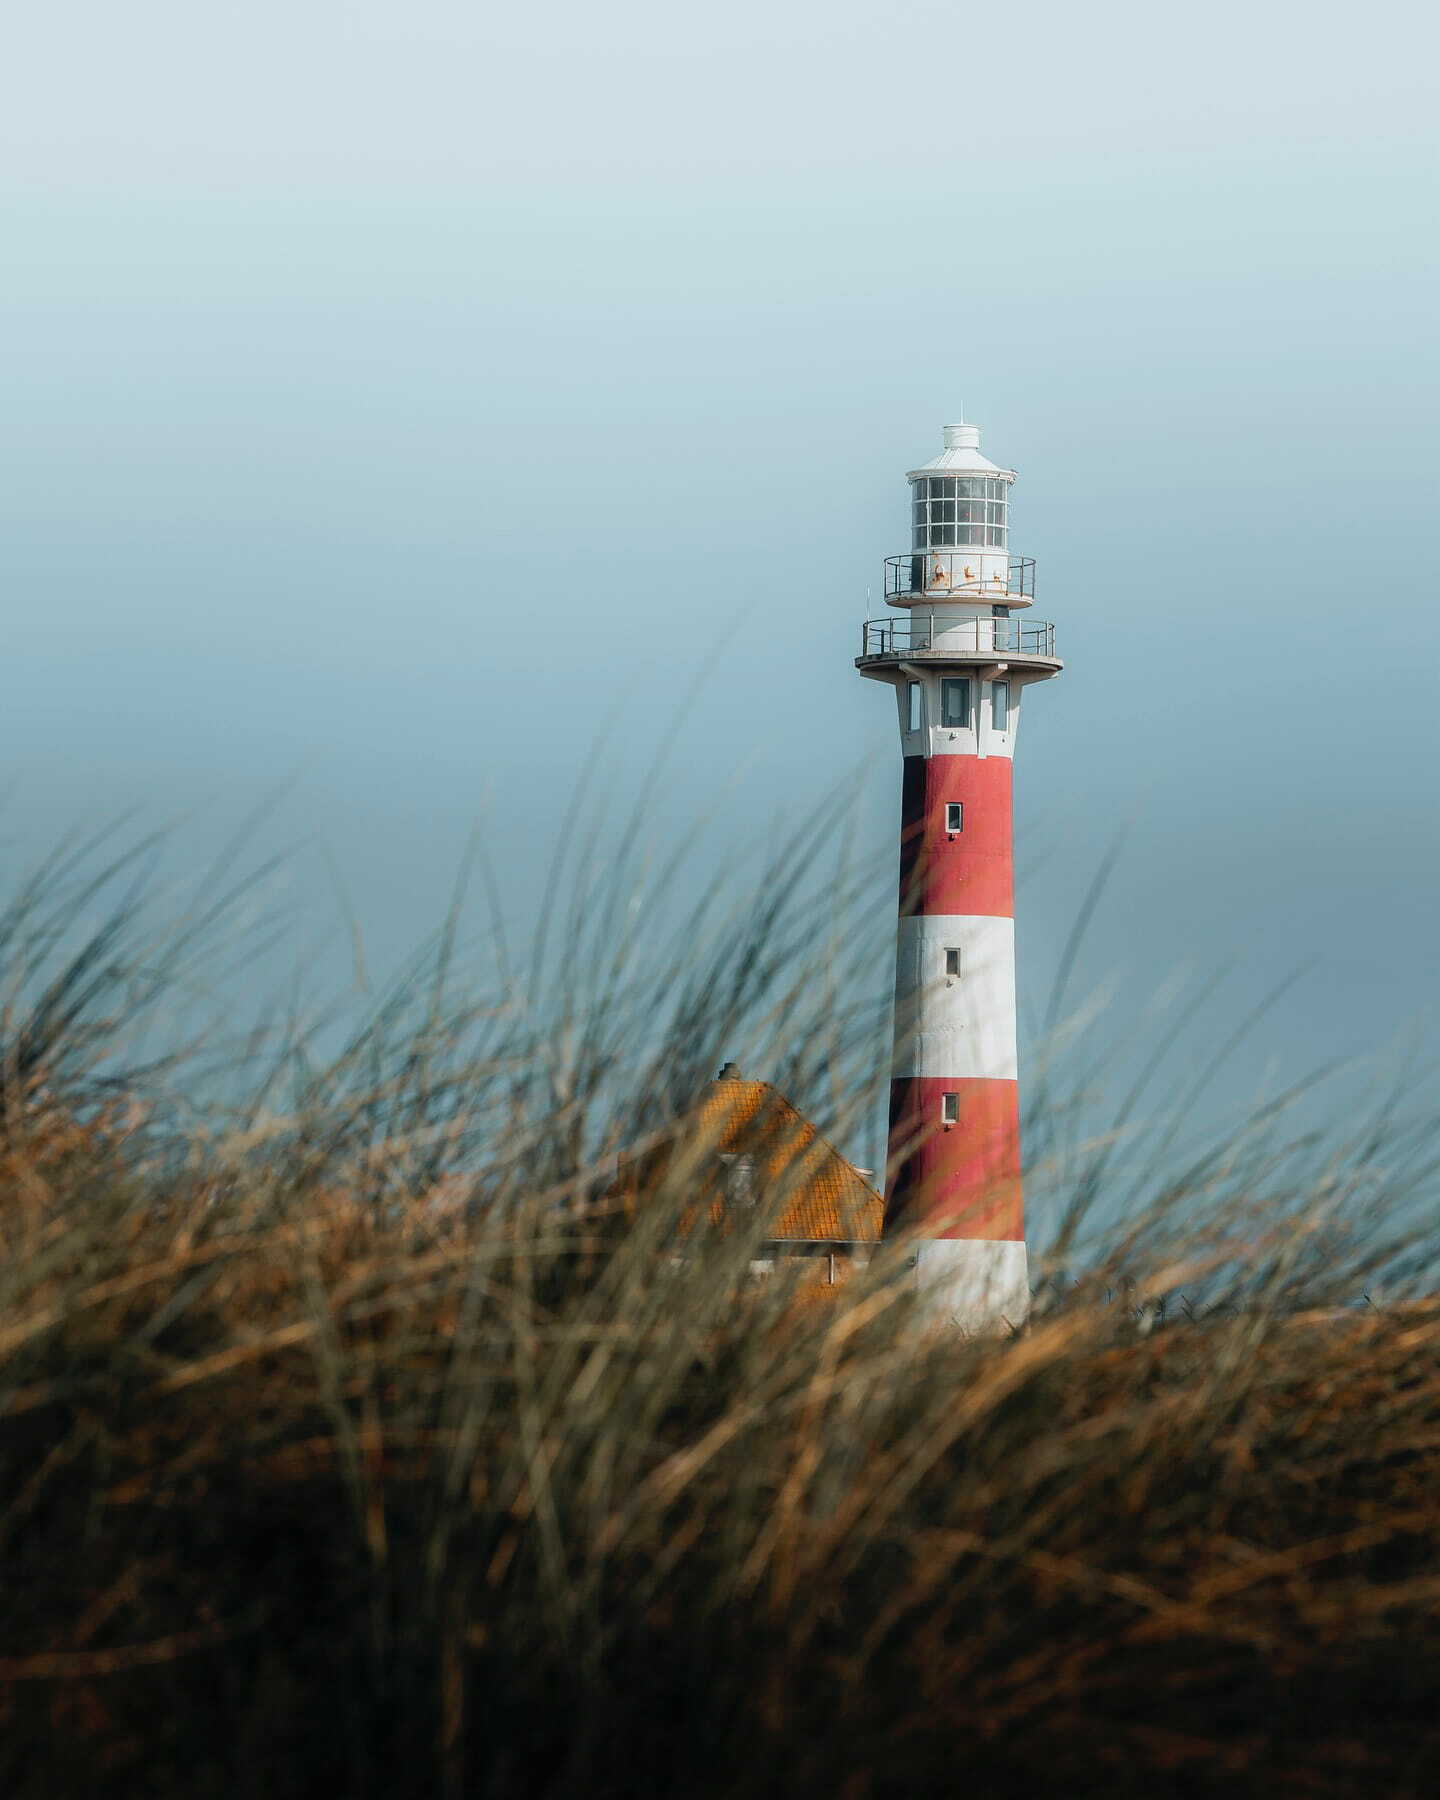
x=958 y=585
x=959 y=531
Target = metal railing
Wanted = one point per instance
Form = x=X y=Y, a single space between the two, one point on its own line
x=923 y=635
x=936 y=572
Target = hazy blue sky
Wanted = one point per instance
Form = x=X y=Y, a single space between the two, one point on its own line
x=394 y=393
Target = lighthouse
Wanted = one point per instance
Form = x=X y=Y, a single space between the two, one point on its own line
x=959 y=647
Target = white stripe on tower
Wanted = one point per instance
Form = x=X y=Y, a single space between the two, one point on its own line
x=955 y=998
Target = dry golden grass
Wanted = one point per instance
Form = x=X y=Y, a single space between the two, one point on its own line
x=353 y=1448
x=302 y=1498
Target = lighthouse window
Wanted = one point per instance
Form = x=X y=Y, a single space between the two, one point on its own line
x=955 y=704
x=954 y=816
x=914 y=705
x=949 y=1109
x=1000 y=705
x=961 y=511
x=952 y=962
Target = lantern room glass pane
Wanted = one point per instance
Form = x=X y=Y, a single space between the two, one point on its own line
x=969 y=512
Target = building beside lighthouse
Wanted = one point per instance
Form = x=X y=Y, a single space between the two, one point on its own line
x=959 y=647
x=745 y=1157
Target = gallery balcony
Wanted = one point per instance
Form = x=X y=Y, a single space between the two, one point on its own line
x=920 y=637
x=967 y=574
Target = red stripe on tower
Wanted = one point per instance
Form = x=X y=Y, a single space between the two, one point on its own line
x=958 y=658
x=970 y=869
x=964 y=1177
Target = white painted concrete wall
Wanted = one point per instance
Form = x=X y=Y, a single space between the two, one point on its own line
x=933 y=739
x=955 y=1026
x=981 y=1285
x=982 y=572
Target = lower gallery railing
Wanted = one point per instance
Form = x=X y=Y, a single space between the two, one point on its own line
x=978 y=637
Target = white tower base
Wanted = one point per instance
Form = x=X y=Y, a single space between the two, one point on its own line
x=980 y=1285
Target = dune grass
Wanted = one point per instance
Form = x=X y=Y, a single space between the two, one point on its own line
x=353 y=1441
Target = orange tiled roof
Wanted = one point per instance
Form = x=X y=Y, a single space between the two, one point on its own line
x=828 y=1200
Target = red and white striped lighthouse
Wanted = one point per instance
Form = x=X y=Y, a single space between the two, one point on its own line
x=959 y=650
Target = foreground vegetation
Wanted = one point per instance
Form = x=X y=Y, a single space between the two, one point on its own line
x=361 y=1447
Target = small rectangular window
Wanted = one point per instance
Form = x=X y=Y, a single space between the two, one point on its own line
x=955 y=703
x=1000 y=705
x=949 y=1109
x=914 y=705
x=954 y=816
x=952 y=962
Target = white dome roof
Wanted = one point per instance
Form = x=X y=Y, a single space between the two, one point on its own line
x=961 y=456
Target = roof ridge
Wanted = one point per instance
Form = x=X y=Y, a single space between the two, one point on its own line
x=821 y=1138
